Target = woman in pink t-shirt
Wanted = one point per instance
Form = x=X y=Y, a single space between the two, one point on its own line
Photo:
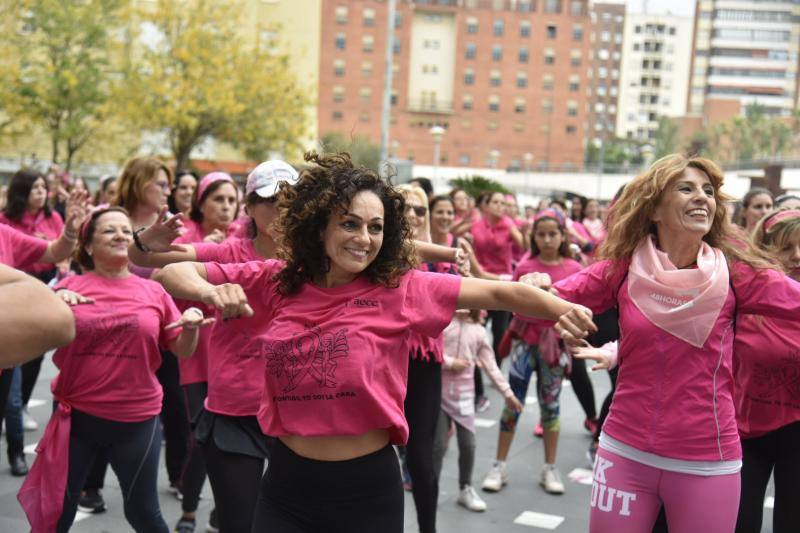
x=679 y=280
x=332 y=324
x=465 y=215
x=767 y=393
x=180 y=201
x=107 y=394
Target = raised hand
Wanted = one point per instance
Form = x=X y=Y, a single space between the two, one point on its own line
x=229 y=299
x=159 y=236
x=192 y=318
x=75 y=212
x=216 y=236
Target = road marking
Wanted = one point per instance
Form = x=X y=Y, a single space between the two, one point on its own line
x=581 y=475
x=530 y=400
x=80 y=515
x=541 y=520
x=30 y=449
x=484 y=423
x=769 y=502
x=33 y=402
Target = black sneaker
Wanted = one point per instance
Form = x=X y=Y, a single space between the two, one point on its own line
x=185 y=525
x=213 y=524
x=19 y=467
x=91 y=501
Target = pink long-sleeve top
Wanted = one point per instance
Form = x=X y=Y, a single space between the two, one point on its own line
x=766 y=364
x=40 y=226
x=673 y=400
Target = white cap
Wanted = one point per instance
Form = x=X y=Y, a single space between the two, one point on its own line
x=265 y=178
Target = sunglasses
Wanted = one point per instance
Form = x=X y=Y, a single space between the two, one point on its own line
x=419 y=210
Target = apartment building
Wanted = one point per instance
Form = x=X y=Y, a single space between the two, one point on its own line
x=745 y=52
x=655 y=68
x=608 y=26
x=506 y=79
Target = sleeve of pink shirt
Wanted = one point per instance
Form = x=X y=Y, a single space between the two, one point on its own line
x=252 y=276
x=485 y=355
x=24 y=250
x=206 y=252
x=592 y=287
x=765 y=292
x=171 y=314
x=430 y=301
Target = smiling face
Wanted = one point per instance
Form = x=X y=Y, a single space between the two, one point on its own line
x=220 y=206
x=687 y=206
x=759 y=205
x=353 y=237
x=112 y=236
x=156 y=191
x=184 y=191
x=442 y=216
x=38 y=195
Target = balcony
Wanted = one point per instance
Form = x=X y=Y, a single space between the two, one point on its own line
x=440 y=107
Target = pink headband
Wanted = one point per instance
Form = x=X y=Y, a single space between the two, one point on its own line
x=208 y=179
x=780 y=216
x=549 y=213
x=89 y=217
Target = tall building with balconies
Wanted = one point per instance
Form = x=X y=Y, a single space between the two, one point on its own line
x=745 y=52
x=506 y=79
x=655 y=72
x=608 y=26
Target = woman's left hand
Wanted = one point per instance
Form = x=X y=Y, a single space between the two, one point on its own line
x=192 y=318
x=73 y=298
x=575 y=324
x=513 y=404
x=75 y=212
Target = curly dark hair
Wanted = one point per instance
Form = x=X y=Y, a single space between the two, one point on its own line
x=305 y=208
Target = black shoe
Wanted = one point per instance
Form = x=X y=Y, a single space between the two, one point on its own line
x=91 y=501
x=213 y=523
x=19 y=467
x=185 y=525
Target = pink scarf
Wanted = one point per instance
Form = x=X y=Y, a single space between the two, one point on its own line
x=684 y=303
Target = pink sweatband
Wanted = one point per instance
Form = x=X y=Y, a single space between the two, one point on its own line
x=780 y=216
x=208 y=179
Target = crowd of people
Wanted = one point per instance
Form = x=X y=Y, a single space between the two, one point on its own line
x=327 y=328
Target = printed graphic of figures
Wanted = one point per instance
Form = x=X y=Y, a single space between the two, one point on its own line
x=311 y=353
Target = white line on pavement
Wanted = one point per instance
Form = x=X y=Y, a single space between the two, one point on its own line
x=541 y=520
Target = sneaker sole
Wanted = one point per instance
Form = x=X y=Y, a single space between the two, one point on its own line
x=472 y=510
x=92 y=510
x=555 y=493
x=493 y=489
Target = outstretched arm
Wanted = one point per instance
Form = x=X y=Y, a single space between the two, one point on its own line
x=189 y=281
x=155 y=249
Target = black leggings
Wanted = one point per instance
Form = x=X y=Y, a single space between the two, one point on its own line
x=422 y=406
x=300 y=495
x=778 y=453
x=194 y=472
x=6 y=376
x=582 y=386
x=132 y=449
x=173 y=417
x=500 y=321
x=235 y=479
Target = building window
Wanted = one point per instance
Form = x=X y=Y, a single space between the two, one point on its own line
x=337 y=115
x=469 y=77
x=523 y=54
x=470 y=51
x=519 y=126
x=341 y=14
x=393 y=98
x=338 y=93
x=366 y=68
x=338 y=68
x=575 y=58
x=570 y=129
x=497 y=52
x=463 y=159
x=369 y=17
x=524 y=6
x=466 y=102
x=366 y=94
x=519 y=105
x=552 y=31
x=341 y=41
x=574 y=84
x=547 y=106
x=522 y=80
x=605 y=36
x=578 y=8
x=577 y=33
x=552 y=6
x=398 y=19
x=547 y=82
x=498 y=27
x=549 y=56
x=472 y=25
x=396 y=46
x=525 y=29
x=494 y=78
x=494 y=103
x=572 y=108
x=363 y=116
x=491 y=126
x=367 y=43
x=466 y=123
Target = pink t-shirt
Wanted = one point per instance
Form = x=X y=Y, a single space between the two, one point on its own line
x=109 y=369
x=766 y=364
x=672 y=399
x=530 y=330
x=231 y=250
x=40 y=226
x=492 y=245
x=421 y=346
x=336 y=359
x=18 y=250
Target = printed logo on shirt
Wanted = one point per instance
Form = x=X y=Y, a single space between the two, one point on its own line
x=100 y=336
x=668 y=300
x=312 y=354
x=776 y=379
x=365 y=302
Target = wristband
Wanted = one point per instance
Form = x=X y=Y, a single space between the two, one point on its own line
x=458 y=255
x=138 y=242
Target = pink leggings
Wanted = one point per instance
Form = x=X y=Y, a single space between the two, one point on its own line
x=627 y=496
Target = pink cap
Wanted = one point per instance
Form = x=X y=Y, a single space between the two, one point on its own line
x=210 y=178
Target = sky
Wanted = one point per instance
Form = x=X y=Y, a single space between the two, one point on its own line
x=676 y=7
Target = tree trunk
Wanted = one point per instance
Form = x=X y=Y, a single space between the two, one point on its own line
x=54 y=149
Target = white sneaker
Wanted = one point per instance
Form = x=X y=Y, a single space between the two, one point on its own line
x=469 y=498
x=495 y=479
x=551 y=480
x=28 y=423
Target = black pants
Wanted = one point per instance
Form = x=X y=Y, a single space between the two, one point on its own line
x=500 y=321
x=422 y=406
x=300 y=495
x=132 y=449
x=194 y=471
x=582 y=386
x=30 y=374
x=778 y=453
x=235 y=480
x=5 y=386
x=173 y=417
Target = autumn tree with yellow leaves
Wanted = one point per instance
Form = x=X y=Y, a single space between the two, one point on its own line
x=193 y=74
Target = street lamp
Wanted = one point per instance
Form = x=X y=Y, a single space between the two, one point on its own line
x=648 y=153
x=437 y=132
x=494 y=158
x=528 y=157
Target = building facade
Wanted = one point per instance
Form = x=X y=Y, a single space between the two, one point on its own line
x=654 y=74
x=608 y=26
x=745 y=52
x=506 y=79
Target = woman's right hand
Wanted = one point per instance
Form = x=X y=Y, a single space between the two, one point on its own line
x=601 y=356
x=575 y=324
x=459 y=364
x=72 y=298
x=159 y=236
x=230 y=299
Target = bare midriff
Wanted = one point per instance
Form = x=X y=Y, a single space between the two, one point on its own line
x=337 y=448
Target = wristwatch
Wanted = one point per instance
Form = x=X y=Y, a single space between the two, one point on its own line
x=138 y=242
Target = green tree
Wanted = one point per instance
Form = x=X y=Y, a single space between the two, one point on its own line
x=667 y=139
x=59 y=57
x=193 y=76
x=362 y=151
x=475 y=185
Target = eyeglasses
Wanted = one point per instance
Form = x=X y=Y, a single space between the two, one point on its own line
x=419 y=210
x=163 y=185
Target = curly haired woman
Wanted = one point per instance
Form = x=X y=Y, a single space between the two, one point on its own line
x=332 y=321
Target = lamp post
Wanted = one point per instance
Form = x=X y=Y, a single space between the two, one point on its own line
x=648 y=153
x=437 y=132
x=494 y=158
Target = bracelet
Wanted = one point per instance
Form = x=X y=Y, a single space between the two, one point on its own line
x=138 y=242
x=70 y=236
x=458 y=255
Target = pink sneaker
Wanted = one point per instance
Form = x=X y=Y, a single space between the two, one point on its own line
x=538 y=431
